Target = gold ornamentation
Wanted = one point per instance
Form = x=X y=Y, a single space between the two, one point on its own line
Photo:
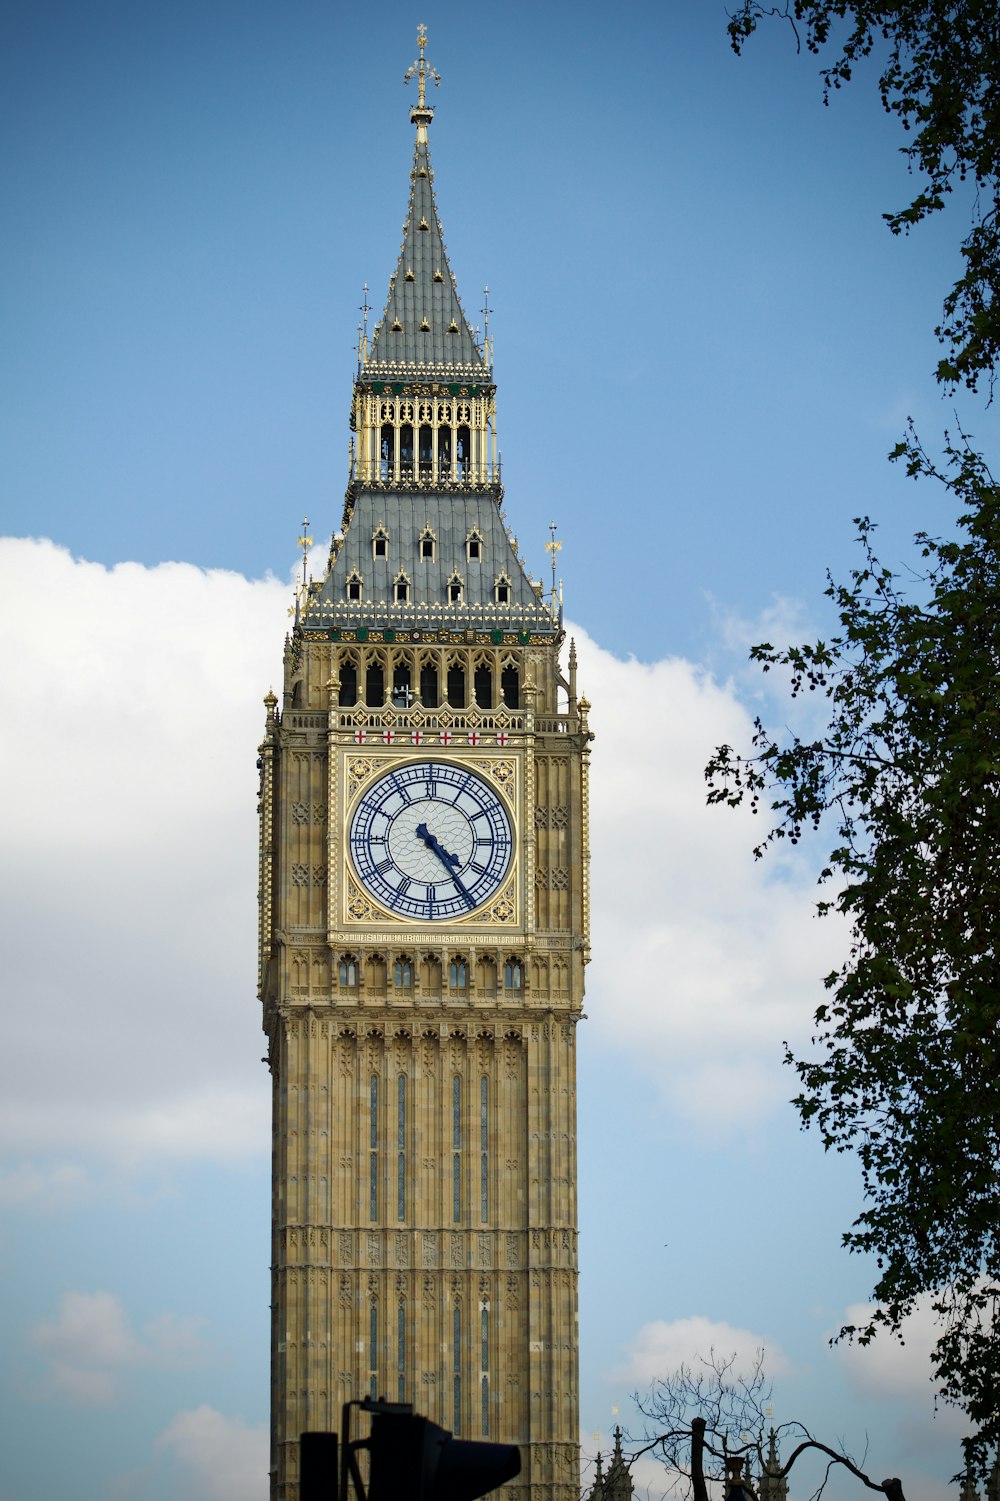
x=502 y=772
x=358 y=906
x=358 y=771
x=503 y=910
x=422 y=69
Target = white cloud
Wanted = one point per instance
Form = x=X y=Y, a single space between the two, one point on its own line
x=53 y=1186
x=133 y=709
x=781 y=622
x=223 y=1459
x=660 y=1348
x=91 y=1344
x=892 y=1367
x=896 y=1375
x=704 y=960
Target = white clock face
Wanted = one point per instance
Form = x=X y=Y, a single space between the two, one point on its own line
x=431 y=840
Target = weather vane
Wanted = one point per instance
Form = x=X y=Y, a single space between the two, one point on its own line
x=365 y=308
x=422 y=69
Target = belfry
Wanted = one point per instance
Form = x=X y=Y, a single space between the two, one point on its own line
x=424 y=922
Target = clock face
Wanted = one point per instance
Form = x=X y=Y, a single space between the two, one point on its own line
x=431 y=840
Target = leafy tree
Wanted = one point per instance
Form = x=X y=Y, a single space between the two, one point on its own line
x=940 y=75
x=907 y=771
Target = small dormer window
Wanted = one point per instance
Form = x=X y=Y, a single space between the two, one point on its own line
x=423 y=224
x=428 y=542
x=354 y=582
x=455 y=588
x=425 y=327
x=501 y=589
x=380 y=542
x=474 y=546
x=397 y=327
x=409 y=274
x=453 y=327
x=401 y=589
x=437 y=275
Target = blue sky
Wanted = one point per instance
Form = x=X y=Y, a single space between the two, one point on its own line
x=705 y=343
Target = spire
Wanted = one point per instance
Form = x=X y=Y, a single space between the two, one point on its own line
x=597 y=1489
x=423 y=323
x=618 y=1481
x=772 y=1485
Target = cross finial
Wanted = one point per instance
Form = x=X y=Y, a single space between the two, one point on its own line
x=421 y=115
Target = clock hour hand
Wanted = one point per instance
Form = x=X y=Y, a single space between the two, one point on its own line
x=447 y=860
x=432 y=843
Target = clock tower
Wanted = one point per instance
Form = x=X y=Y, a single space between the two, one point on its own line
x=424 y=922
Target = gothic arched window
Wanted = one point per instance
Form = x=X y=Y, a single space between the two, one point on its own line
x=456 y=685
x=429 y=685
x=348 y=685
x=375 y=684
x=483 y=685
x=513 y=975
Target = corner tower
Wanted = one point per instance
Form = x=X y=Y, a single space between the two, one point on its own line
x=424 y=923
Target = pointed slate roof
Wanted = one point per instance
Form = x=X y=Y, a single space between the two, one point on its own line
x=403 y=516
x=423 y=322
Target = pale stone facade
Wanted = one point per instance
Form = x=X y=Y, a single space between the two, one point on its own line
x=424 y=925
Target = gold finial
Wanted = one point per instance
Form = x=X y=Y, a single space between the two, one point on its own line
x=305 y=542
x=301 y=587
x=552 y=547
x=421 y=114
